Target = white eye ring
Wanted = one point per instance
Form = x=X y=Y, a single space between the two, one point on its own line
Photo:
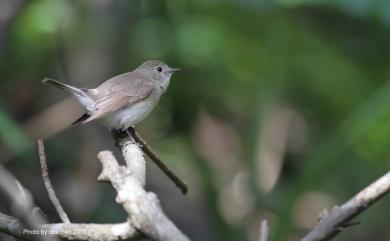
x=159 y=69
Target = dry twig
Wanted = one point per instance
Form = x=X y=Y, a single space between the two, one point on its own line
x=69 y=231
x=145 y=216
x=333 y=222
x=157 y=160
x=120 y=137
x=22 y=206
x=46 y=180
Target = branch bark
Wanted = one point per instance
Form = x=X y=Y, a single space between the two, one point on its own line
x=333 y=222
x=145 y=216
x=70 y=231
x=143 y=208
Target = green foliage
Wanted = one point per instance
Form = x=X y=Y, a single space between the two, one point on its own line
x=12 y=134
x=325 y=61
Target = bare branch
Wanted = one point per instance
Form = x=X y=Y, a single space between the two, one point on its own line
x=145 y=216
x=46 y=180
x=157 y=160
x=143 y=207
x=120 y=137
x=22 y=203
x=333 y=222
x=31 y=227
x=70 y=231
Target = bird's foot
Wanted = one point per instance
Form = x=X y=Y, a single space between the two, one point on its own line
x=121 y=136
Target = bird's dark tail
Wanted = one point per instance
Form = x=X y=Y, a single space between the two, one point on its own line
x=62 y=86
x=82 y=95
x=82 y=118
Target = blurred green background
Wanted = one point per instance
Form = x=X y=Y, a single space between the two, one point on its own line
x=281 y=108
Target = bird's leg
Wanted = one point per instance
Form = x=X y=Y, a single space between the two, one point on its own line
x=133 y=136
x=130 y=134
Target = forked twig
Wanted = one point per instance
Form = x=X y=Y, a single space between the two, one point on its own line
x=334 y=221
x=22 y=205
x=119 y=136
x=46 y=180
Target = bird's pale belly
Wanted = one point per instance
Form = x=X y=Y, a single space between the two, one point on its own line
x=130 y=116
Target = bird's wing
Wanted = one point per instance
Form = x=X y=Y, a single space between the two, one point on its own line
x=123 y=93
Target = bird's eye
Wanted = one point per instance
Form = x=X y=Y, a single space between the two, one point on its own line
x=159 y=69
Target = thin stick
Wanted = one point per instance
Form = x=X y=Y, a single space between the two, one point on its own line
x=157 y=160
x=49 y=188
x=264 y=230
x=22 y=204
x=333 y=222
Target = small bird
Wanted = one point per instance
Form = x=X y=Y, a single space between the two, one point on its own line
x=124 y=100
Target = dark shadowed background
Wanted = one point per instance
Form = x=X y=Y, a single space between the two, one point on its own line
x=281 y=108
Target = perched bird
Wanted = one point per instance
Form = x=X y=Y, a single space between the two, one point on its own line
x=124 y=100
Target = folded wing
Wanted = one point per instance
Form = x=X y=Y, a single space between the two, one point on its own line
x=122 y=94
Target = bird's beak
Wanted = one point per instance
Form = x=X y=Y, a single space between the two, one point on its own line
x=172 y=70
